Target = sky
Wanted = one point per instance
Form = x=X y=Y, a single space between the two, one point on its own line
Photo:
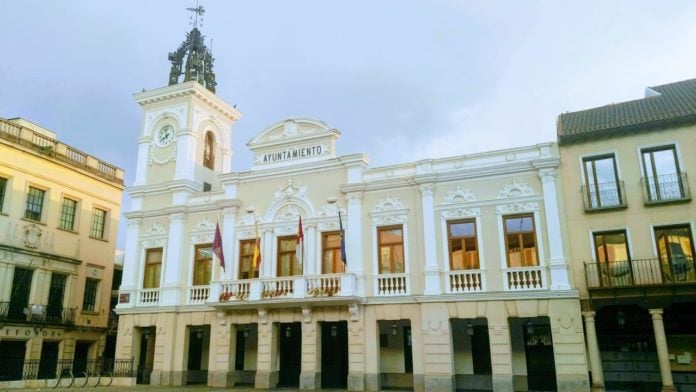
x=401 y=80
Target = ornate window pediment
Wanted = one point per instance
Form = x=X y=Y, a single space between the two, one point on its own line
x=458 y=196
x=515 y=189
x=389 y=210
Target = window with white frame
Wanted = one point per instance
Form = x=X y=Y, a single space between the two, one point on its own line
x=520 y=241
x=35 y=201
x=68 y=210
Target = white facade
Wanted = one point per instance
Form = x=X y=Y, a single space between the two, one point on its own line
x=417 y=322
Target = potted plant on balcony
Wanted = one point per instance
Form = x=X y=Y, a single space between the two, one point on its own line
x=323 y=291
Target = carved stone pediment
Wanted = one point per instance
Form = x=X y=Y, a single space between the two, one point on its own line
x=515 y=189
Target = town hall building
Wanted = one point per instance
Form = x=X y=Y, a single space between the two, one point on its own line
x=435 y=275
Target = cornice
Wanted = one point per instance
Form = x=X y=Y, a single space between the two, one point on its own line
x=216 y=206
x=192 y=88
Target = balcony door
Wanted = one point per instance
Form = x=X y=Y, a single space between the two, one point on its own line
x=676 y=253
x=662 y=174
x=602 y=182
x=613 y=258
x=19 y=297
x=54 y=310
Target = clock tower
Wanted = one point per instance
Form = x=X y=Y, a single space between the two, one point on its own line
x=186 y=136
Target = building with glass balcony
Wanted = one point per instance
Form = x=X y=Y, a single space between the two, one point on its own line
x=436 y=275
x=630 y=219
x=59 y=212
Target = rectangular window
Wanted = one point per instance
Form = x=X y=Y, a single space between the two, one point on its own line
x=98 y=223
x=675 y=249
x=463 y=250
x=662 y=178
x=602 y=186
x=67 y=214
x=331 y=253
x=611 y=250
x=89 y=301
x=153 y=268
x=35 y=199
x=287 y=260
x=3 y=186
x=203 y=262
x=391 y=249
x=520 y=239
x=246 y=260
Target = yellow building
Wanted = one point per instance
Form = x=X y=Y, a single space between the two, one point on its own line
x=630 y=221
x=59 y=211
x=454 y=275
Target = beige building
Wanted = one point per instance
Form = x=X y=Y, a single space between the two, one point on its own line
x=59 y=211
x=454 y=276
x=630 y=219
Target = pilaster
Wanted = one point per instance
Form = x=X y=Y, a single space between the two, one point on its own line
x=141 y=168
x=310 y=371
x=356 y=355
x=267 y=356
x=431 y=269
x=438 y=359
x=557 y=264
x=173 y=269
x=229 y=243
x=221 y=357
x=185 y=155
x=354 y=251
x=501 y=349
x=130 y=259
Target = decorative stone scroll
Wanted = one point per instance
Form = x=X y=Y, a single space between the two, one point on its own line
x=515 y=189
x=458 y=196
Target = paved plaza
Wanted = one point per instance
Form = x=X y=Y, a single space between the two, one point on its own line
x=143 y=388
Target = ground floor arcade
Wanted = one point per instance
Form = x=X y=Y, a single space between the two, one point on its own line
x=502 y=345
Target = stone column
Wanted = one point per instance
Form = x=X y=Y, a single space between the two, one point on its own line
x=141 y=168
x=557 y=261
x=354 y=247
x=593 y=352
x=356 y=350
x=267 y=354
x=170 y=291
x=501 y=348
x=662 y=353
x=229 y=243
x=372 y=351
x=223 y=338
x=437 y=348
x=431 y=270
x=131 y=256
x=310 y=373
x=185 y=155
x=6 y=273
x=309 y=265
x=569 y=352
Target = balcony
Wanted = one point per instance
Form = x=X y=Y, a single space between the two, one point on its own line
x=148 y=297
x=42 y=314
x=670 y=188
x=641 y=272
x=604 y=196
x=466 y=281
x=387 y=285
x=525 y=278
x=329 y=288
x=197 y=295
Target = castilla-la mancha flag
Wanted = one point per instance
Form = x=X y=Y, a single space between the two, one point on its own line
x=299 y=250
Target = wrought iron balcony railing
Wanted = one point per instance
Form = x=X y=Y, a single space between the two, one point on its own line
x=604 y=196
x=640 y=272
x=666 y=188
x=12 y=369
x=37 y=314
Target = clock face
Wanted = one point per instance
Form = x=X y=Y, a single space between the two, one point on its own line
x=165 y=136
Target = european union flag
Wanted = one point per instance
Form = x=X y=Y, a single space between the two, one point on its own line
x=343 y=239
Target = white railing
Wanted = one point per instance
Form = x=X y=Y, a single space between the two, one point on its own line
x=234 y=291
x=323 y=285
x=197 y=295
x=391 y=284
x=148 y=297
x=525 y=278
x=466 y=281
x=278 y=288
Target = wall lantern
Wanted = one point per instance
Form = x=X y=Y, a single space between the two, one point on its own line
x=246 y=331
x=620 y=318
x=469 y=329
x=334 y=331
x=394 y=329
x=530 y=327
x=288 y=331
x=199 y=333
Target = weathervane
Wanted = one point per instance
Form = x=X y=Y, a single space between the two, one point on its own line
x=192 y=58
x=198 y=11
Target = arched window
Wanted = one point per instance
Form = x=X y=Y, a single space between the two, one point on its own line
x=209 y=151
